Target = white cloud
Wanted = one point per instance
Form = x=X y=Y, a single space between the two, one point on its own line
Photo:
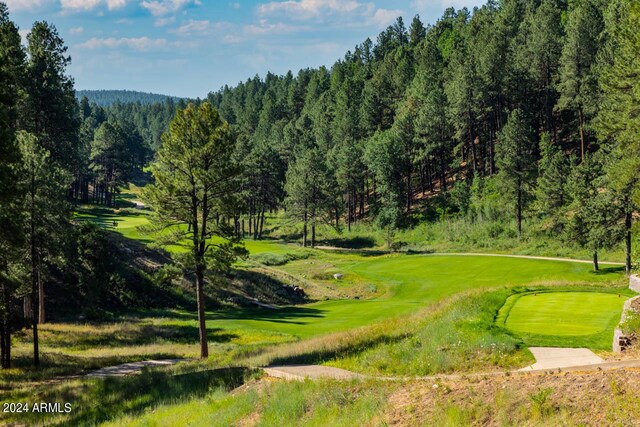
x=234 y=5
x=23 y=35
x=25 y=5
x=384 y=17
x=84 y=5
x=191 y=27
x=352 y=12
x=77 y=30
x=79 y=4
x=306 y=9
x=163 y=22
x=265 y=28
x=167 y=7
x=116 y=4
x=137 y=43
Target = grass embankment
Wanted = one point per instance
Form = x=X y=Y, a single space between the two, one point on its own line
x=505 y=400
x=565 y=319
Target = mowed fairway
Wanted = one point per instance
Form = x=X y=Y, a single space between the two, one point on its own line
x=411 y=282
x=407 y=282
x=564 y=318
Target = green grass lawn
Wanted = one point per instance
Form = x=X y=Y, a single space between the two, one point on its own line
x=403 y=283
x=564 y=319
x=411 y=282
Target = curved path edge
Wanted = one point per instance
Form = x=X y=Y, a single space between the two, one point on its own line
x=317 y=372
x=544 y=258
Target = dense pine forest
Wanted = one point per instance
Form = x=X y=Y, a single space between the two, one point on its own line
x=521 y=112
x=104 y=98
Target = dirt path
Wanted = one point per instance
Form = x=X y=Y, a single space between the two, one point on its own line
x=545 y=258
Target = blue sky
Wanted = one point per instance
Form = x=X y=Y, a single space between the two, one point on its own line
x=191 y=47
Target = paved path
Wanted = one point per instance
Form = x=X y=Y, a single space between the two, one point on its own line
x=554 y=358
x=131 y=368
x=545 y=258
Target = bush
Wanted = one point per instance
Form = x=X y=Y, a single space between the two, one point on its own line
x=631 y=324
x=271 y=259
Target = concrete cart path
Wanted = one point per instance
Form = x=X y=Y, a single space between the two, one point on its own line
x=554 y=358
x=131 y=368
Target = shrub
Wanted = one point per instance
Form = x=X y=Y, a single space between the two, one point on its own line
x=271 y=259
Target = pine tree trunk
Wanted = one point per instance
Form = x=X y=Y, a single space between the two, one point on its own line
x=26 y=308
x=34 y=310
x=582 y=136
x=304 y=234
x=313 y=235
x=202 y=325
x=304 y=228
x=409 y=190
x=261 y=222
x=5 y=332
x=519 y=210
x=627 y=240
x=41 y=313
x=595 y=261
x=443 y=178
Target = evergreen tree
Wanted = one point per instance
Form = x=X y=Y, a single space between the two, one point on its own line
x=12 y=59
x=516 y=163
x=417 y=31
x=46 y=220
x=551 y=189
x=194 y=173
x=578 y=84
x=618 y=122
x=308 y=197
x=51 y=110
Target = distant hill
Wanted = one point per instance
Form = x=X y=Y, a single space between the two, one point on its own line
x=107 y=97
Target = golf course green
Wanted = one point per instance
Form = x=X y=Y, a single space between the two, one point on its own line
x=568 y=319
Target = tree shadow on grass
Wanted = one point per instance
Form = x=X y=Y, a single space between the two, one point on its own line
x=281 y=315
x=346 y=349
x=358 y=242
x=602 y=271
x=100 y=400
x=55 y=365
x=133 y=336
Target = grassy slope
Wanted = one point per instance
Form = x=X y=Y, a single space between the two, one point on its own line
x=563 y=399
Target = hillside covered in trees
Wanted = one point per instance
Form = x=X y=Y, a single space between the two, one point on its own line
x=522 y=111
x=104 y=98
